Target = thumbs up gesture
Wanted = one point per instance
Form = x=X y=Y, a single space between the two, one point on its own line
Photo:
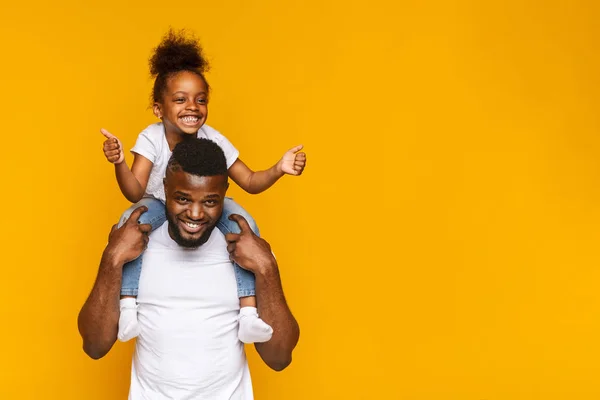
x=113 y=150
x=293 y=161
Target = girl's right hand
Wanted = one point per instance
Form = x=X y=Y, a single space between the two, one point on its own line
x=113 y=150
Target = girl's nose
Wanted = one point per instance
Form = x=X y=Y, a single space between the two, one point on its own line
x=192 y=106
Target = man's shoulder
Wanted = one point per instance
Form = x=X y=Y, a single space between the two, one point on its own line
x=216 y=240
x=159 y=238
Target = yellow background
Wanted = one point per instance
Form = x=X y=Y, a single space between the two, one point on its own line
x=442 y=243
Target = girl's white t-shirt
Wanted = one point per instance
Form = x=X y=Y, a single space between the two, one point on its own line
x=152 y=144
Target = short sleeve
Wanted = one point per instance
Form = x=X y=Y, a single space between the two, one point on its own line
x=231 y=153
x=145 y=146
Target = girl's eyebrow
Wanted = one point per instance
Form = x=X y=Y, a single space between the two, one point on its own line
x=183 y=92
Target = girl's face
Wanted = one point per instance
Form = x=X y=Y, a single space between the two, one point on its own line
x=184 y=106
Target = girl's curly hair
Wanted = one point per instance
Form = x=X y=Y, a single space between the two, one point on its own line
x=178 y=51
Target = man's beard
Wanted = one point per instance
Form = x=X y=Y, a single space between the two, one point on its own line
x=176 y=235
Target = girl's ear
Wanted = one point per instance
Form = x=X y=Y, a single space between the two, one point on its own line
x=157 y=110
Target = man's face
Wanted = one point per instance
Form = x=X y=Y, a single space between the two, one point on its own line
x=194 y=205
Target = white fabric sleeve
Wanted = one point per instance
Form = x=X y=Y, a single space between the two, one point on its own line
x=144 y=146
x=231 y=153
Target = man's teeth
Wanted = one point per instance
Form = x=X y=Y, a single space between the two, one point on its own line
x=190 y=119
x=193 y=226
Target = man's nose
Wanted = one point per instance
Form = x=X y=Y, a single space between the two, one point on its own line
x=196 y=212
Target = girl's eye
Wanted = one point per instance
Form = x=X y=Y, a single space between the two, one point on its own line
x=202 y=101
x=179 y=99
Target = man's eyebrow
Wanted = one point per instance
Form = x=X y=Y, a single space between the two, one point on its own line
x=212 y=196
x=179 y=192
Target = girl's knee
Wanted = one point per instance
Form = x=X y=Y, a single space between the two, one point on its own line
x=232 y=207
x=251 y=222
x=125 y=216
x=154 y=208
x=253 y=225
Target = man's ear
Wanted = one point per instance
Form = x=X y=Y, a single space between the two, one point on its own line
x=156 y=109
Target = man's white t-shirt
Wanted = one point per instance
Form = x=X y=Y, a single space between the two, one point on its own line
x=188 y=307
x=152 y=144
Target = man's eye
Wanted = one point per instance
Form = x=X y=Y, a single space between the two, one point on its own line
x=211 y=202
x=182 y=199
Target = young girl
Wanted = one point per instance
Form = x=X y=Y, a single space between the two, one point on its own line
x=180 y=100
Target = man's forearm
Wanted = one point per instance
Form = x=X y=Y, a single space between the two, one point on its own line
x=273 y=309
x=99 y=317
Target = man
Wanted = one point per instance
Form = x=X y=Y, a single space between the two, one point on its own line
x=187 y=301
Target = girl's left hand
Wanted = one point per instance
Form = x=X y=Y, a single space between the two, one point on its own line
x=292 y=162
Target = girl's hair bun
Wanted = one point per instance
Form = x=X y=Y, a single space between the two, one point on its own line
x=177 y=51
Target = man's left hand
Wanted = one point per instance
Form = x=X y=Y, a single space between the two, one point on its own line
x=248 y=250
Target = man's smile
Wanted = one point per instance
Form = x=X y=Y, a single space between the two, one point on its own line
x=191 y=227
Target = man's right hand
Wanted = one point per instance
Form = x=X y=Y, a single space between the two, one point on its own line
x=130 y=240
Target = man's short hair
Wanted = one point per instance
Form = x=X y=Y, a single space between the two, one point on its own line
x=198 y=156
